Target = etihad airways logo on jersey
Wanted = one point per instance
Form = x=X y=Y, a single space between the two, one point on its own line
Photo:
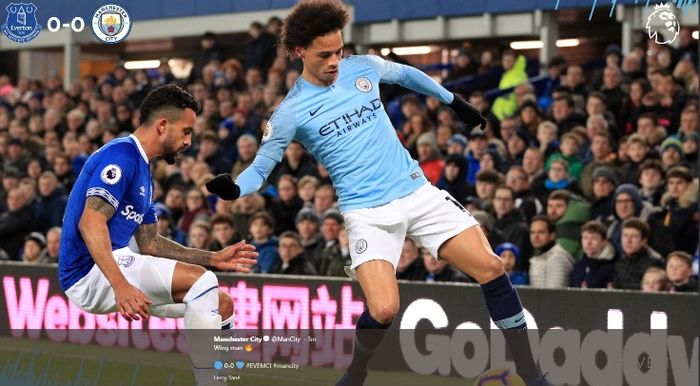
x=130 y=214
x=352 y=120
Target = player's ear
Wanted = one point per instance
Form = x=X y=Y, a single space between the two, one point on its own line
x=160 y=125
x=300 y=52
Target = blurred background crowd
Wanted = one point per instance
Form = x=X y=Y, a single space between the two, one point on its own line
x=588 y=180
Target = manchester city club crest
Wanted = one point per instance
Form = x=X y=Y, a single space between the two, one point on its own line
x=21 y=25
x=363 y=84
x=111 y=24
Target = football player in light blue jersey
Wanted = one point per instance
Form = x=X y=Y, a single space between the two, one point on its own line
x=334 y=109
x=111 y=202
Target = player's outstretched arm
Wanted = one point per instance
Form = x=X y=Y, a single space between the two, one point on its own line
x=239 y=257
x=131 y=302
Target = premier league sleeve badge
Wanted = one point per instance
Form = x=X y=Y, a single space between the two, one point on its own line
x=21 y=25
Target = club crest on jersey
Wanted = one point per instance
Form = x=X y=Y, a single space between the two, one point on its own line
x=363 y=84
x=361 y=246
x=267 y=133
x=111 y=174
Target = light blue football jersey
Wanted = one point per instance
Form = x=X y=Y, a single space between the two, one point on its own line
x=119 y=174
x=345 y=127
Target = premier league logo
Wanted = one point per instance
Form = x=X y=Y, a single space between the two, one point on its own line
x=662 y=25
x=21 y=25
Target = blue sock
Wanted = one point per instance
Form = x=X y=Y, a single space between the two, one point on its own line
x=369 y=334
x=506 y=311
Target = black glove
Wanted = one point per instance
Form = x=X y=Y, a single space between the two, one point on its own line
x=224 y=187
x=467 y=113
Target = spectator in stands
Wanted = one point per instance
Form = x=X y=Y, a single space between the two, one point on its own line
x=196 y=209
x=453 y=179
x=564 y=114
x=637 y=151
x=247 y=147
x=292 y=258
x=525 y=200
x=605 y=180
x=64 y=172
x=242 y=210
x=324 y=199
x=514 y=73
x=166 y=227
x=569 y=212
x=479 y=101
x=15 y=223
x=671 y=153
x=486 y=183
x=210 y=153
x=689 y=121
x=676 y=226
x=558 y=179
x=510 y=255
x=510 y=221
x=477 y=147
x=429 y=157
x=603 y=155
x=34 y=245
x=410 y=265
x=596 y=267
x=574 y=83
x=328 y=257
x=636 y=256
x=547 y=139
x=417 y=125
x=516 y=146
x=464 y=65
x=651 y=179
x=209 y=52
x=16 y=157
x=568 y=150
x=261 y=49
x=306 y=188
x=264 y=240
x=307 y=224
x=550 y=264
x=627 y=203
x=690 y=143
x=175 y=202
x=199 y=235
x=615 y=97
x=53 y=244
x=285 y=207
x=223 y=232
x=296 y=163
x=437 y=270
x=654 y=280
x=679 y=269
x=51 y=204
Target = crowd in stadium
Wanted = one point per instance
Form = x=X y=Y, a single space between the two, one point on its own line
x=592 y=183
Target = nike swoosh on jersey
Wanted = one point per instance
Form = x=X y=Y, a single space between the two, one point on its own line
x=312 y=113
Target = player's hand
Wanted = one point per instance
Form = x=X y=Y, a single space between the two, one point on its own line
x=467 y=113
x=239 y=257
x=132 y=304
x=224 y=187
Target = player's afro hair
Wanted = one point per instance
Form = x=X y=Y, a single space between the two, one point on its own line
x=310 y=19
x=166 y=97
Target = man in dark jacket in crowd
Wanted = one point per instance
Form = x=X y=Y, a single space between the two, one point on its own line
x=410 y=266
x=292 y=259
x=636 y=255
x=210 y=153
x=15 y=223
x=605 y=180
x=51 y=204
x=453 y=178
x=307 y=223
x=596 y=267
x=510 y=221
x=525 y=200
x=676 y=227
x=328 y=258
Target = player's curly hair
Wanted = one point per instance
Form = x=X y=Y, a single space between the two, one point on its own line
x=310 y=19
x=167 y=100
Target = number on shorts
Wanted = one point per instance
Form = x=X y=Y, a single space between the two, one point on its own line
x=457 y=204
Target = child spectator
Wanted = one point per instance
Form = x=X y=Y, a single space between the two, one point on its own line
x=654 y=280
x=637 y=150
x=679 y=269
x=510 y=255
x=596 y=267
x=261 y=227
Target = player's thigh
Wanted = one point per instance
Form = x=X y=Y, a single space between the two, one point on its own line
x=378 y=281
x=436 y=217
x=471 y=253
x=375 y=234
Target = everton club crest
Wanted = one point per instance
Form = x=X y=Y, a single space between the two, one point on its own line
x=111 y=24
x=21 y=25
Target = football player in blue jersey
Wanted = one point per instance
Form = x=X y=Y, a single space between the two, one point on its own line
x=111 y=202
x=334 y=109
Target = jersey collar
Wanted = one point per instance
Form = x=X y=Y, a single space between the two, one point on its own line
x=138 y=145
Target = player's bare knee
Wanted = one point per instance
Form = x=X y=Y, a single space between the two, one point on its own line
x=492 y=268
x=385 y=313
x=225 y=305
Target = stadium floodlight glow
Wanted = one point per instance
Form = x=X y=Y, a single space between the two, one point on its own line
x=141 y=64
x=568 y=43
x=695 y=35
x=527 y=45
x=413 y=50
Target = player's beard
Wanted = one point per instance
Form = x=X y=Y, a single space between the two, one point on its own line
x=169 y=152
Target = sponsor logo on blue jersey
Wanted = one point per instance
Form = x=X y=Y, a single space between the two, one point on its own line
x=352 y=120
x=130 y=214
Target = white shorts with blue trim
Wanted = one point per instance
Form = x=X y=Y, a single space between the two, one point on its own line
x=429 y=216
x=152 y=275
